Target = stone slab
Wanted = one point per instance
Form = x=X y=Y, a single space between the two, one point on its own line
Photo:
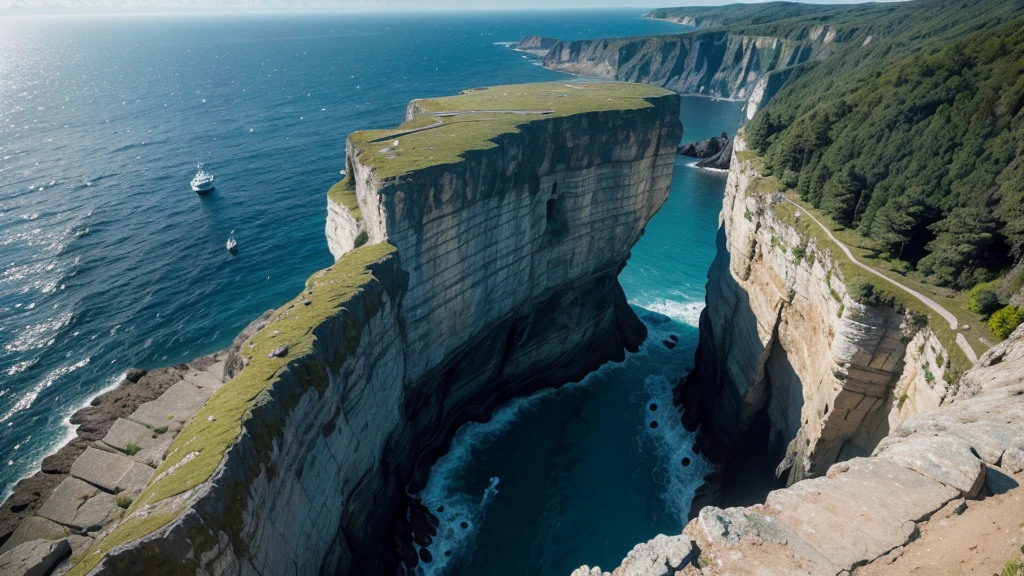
x=63 y=505
x=95 y=513
x=35 y=558
x=217 y=369
x=103 y=469
x=135 y=479
x=34 y=528
x=872 y=503
x=173 y=408
x=946 y=459
x=153 y=444
x=205 y=379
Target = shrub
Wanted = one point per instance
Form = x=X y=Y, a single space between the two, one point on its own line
x=1003 y=321
x=982 y=299
x=132 y=449
x=1013 y=568
x=124 y=501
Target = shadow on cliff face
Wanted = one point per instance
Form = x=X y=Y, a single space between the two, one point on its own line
x=741 y=395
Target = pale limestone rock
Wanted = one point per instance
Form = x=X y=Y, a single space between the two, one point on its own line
x=944 y=458
x=344 y=230
x=662 y=556
x=35 y=558
x=505 y=277
x=34 y=528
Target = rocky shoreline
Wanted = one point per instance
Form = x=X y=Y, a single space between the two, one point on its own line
x=24 y=521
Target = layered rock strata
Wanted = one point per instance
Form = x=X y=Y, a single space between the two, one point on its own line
x=496 y=225
x=864 y=510
x=793 y=372
x=718 y=64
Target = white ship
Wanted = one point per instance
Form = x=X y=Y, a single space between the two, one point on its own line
x=232 y=245
x=203 y=181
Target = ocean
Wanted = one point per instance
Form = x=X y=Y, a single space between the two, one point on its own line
x=108 y=261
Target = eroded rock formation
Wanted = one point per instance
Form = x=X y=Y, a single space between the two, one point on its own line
x=715 y=152
x=537 y=45
x=793 y=372
x=714 y=63
x=485 y=274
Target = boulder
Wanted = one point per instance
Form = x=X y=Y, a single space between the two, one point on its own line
x=35 y=558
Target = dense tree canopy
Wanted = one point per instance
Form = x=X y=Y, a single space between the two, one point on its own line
x=915 y=138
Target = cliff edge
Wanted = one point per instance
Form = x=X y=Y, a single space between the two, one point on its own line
x=477 y=251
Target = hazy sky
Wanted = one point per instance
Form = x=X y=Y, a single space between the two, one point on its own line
x=117 y=6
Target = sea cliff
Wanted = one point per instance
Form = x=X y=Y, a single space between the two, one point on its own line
x=841 y=430
x=797 y=367
x=478 y=247
x=713 y=63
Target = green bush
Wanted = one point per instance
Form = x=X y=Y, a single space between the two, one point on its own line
x=1013 y=568
x=124 y=501
x=982 y=299
x=1003 y=321
x=132 y=449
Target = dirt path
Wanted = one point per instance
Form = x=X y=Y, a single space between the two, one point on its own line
x=961 y=340
x=977 y=542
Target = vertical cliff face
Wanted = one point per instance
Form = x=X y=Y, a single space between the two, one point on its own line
x=716 y=63
x=792 y=372
x=495 y=224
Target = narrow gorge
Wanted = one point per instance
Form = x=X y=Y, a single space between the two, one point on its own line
x=825 y=405
x=478 y=248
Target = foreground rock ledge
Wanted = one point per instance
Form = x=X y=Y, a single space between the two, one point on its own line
x=478 y=247
x=865 y=508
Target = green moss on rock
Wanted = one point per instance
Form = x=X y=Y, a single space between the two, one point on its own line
x=198 y=449
x=446 y=128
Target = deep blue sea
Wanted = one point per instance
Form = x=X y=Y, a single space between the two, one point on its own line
x=109 y=261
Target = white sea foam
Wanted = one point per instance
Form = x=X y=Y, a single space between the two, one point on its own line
x=672 y=443
x=29 y=398
x=41 y=335
x=442 y=489
x=685 y=312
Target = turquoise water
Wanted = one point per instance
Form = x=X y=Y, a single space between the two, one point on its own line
x=578 y=475
x=108 y=261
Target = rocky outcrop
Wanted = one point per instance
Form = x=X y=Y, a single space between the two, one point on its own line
x=715 y=152
x=19 y=522
x=487 y=273
x=864 y=510
x=537 y=45
x=718 y=64
x=705 y=148
x=795 y=371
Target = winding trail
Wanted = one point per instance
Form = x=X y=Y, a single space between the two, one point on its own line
x=961 y=340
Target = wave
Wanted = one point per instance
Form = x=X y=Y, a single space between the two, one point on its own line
x=685 y=312
x=29 y=398
x=458 y=512
x=680 y=470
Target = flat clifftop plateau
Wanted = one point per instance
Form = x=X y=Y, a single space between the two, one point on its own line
x=477 y=252
x=797 y=366
x=929 y=489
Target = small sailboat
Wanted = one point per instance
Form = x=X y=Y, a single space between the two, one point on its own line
x=232 y=244
x=203 y=181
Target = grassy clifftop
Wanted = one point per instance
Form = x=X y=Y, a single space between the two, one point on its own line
x=444 y=129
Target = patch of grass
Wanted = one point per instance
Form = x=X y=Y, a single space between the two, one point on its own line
x=124 y=501
x=132 y=449
x=1013 y=568
x=160 y=430
x=207 y=439
x=882 y=290
x=484 y=115
x=344 y=194
x=704 y=561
